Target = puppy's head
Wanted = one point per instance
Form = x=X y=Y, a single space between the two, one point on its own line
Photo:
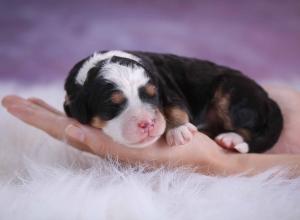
x=115 y=92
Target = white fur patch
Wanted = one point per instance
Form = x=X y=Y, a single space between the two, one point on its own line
x=128 y=80
x=96 y=58
x=180 y=135
x=115 y=127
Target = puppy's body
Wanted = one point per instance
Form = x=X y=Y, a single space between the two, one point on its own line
x=180 y=92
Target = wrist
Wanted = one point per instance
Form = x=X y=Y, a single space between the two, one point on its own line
x=228 y=163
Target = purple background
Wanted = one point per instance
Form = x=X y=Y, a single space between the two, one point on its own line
x=41 y=40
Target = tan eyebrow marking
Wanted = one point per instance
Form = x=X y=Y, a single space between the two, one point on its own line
x=176 y=116
x=150 y=89
x=117 y=97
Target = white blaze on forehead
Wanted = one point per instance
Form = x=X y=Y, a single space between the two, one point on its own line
x=128 y=79
x=96 y=58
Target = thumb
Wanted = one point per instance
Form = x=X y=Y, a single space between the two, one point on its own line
x=90 y=137
x=76 y=133
x=100 y=144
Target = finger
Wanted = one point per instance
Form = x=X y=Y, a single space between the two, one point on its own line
x=75 y=141
x=11 y=100
x=103 y=145
x=76 y=133
x=88 y=136
x=55 y=125
x=45 y=105
x=37 y=116
x=41 y=119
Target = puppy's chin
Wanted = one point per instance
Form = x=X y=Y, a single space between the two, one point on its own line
x=143 y=143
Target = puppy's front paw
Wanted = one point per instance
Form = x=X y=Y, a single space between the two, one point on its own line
x=232 y=140
x=180 y=135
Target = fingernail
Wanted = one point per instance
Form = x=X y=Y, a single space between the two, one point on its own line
x=75 y=133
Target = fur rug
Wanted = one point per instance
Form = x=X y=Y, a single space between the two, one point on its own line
x=41 y=178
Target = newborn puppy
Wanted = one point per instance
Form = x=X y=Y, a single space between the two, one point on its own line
x=136 y=97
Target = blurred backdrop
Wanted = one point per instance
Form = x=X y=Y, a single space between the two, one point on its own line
x=40 y=40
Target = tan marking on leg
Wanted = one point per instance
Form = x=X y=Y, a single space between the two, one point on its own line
x=221 y=103
x=98 y=122
x=176 y=116
x=246 y=134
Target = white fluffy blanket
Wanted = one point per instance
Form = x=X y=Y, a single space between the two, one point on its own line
x=41 y=178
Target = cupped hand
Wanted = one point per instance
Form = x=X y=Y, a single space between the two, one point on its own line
x=201 y=153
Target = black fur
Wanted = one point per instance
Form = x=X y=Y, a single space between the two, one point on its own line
x=92 y=98
x=192 y=85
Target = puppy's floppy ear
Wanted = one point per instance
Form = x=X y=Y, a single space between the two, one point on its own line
x=77 y=107
x=67 y=105
x=75 y=104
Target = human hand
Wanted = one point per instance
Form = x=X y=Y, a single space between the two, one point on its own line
x=201 y=153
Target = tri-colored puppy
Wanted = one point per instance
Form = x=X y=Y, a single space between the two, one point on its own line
x=136 y=97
